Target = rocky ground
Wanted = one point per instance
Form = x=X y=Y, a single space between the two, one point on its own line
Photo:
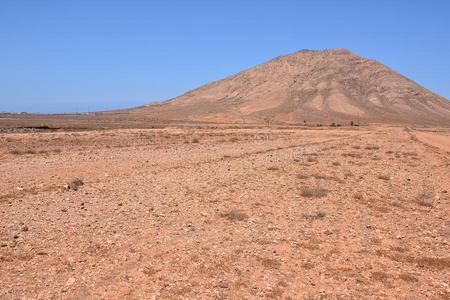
x=223 y=213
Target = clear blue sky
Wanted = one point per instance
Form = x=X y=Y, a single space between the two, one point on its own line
x=88 y=55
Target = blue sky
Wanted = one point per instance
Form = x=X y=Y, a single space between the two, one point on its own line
x=61 y=56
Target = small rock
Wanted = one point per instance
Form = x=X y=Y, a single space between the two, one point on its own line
x=328 y=232
x=70 y=281
x=25 y=228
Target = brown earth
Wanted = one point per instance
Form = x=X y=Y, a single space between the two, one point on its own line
x=436 y=139
x=224 y=212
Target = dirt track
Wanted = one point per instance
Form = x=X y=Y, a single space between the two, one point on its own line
x=223 y=213
x=439 y=140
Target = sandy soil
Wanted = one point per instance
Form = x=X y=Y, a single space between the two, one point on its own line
x=223 y=214
x=435 y=139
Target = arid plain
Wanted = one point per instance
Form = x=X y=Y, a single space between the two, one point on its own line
x=222 y=212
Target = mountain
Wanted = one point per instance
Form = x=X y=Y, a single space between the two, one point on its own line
x=321 y=86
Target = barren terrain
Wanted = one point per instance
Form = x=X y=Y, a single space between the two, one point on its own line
x=225 y=213
x=312 y=86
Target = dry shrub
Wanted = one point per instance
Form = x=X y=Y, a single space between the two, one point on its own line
x=272 y=168
x=410 y=154
x=433 y=262
x=380 y=276
x=30 y=151
x=372 y=147
x=408 y=277
x=326 y=177
x=314 y=216
x=336 y=163
x=312 y=159
x=235 y=215
x=358 y=196
x=16 y=152
x=314 y=192
x=348 y=173
x=352 y=154
x=74 y=184
x=269 y=262
x=195 y=141
x=425 y=199
x=384 y=177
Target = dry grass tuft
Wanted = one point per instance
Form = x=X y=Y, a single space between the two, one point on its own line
x=312 y=159
x=358 y=196
x=235 y=215
x=352 y=154
x=425 y=199
x=408 y=277
x=348 y=173
x=314 y=192
x=372 y=147
x=326 y=177
x=315 y=216
x=384 y=177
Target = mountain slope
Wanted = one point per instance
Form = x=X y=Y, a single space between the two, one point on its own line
x=317 y=86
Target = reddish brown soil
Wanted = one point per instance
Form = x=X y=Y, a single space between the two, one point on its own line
x=223 y=213
x=436 y=139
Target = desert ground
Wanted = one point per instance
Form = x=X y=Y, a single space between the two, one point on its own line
x=216 y=212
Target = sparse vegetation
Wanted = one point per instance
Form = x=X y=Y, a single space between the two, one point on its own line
x=327 y=177
x=372 y=147
x=358 y=196
x=235 y=215
x=314 y=216
x=408 y=277
x=348 y=173
x=74 y=184
x=314 y=192
x=312 y=159
x=425 y=199
x=352 y=154
x=33 y=152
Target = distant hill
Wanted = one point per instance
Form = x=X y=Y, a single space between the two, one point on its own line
x=322 y=86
